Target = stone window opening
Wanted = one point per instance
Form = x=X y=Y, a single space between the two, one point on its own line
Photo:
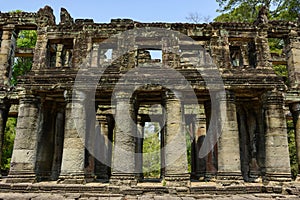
x=149 y=56
x=236 y=56
x=60 y=54
x=252 y=57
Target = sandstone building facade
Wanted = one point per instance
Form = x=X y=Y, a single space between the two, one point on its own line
x=51 y=140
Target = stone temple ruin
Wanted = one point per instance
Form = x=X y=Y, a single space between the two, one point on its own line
x=55 y=125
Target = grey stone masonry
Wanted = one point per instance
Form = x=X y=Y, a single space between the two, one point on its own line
x=293 y=51
x=176 y=171
x=23 y=162
x=7 y=53
x=123 y=161
x=102 y=148
x=276 y=143
x=73 y=157
x=229 y=166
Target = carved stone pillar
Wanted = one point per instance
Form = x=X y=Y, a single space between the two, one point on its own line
x=102 y=147
x=262 y=47
x=40 y=56
x=123 y=167
x=4 y=108
x=7 y=53
x=200 y=133
x=139 y=148
x=276 y=143
x=211 y=159
x=58 y=143
x=23 y=162
x=220 y=51
x=293 y=51
x=229 y=165
x=73 y=158
x=176 y=171
x=295 y=110
x=59 y=51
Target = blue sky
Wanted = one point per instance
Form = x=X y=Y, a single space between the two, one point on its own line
x=138 y=10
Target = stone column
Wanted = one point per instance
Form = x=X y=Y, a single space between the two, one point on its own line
x=220 y=51
x=23 y=162
x=59 y=62
x=293 y=59
x=276 y=143
x=211 y=158
x=7 y=53
x=176 y=171
x=73 y=158
x=229 y=165
x=123 y=166
x=262 y=47
x=40 y=56
x=58 y=142
x=102 y=144
x=4 y=108
x=139 y=148
x=199 y=133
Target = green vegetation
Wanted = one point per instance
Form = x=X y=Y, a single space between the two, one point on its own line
x=247 y=10
x=151 y=151
x=22 y=65
x=8 y=142
x=292 y=148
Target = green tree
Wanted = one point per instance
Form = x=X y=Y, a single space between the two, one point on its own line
x=247 y=10
x=9 y=137
x=151 y=151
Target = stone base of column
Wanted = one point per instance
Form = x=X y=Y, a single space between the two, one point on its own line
x=177 y=180
x=102 y=177
x=75 y=179
x=229 y=177
x=21 y=178
x=123 y=179
x=283 y=177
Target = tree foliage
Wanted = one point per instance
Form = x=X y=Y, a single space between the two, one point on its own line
x=22 y=65
x=151 y=151
x=247 y=10
x=9 y=137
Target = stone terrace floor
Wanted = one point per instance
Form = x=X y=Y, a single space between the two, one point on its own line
x=149 y=190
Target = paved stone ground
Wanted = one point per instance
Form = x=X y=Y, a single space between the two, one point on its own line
x=51 y=196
